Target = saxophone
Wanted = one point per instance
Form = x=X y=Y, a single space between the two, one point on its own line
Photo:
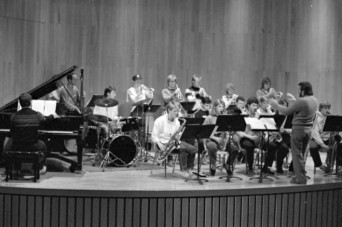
x=224 y=141
x=171 y=144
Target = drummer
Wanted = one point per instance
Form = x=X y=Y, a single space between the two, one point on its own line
x=106 y=109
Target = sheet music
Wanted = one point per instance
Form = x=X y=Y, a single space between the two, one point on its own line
x=261 y=124
x=45 y=107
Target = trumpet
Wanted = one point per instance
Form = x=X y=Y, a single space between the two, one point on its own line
x=144 y=87
x=178 y=94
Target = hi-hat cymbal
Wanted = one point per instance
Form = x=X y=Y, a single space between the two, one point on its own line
x=106 y=102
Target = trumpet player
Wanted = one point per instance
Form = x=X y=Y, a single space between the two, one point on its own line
x=139 y=93
x=267 y=91
x=229 y=98
x=172 y=92
x=195 y=89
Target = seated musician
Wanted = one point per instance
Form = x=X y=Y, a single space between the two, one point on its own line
x=264 y=108
x=240 y=107
x=24 y=127
x=165 y=127
x=203 y=107
x=283 y=142
x=110 y=112
x=68 y=96
x=139 y=94
x=249 y=140
x=319 y=139
x=215 y=141
x=229 y=98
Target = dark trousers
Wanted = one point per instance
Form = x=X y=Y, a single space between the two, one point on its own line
x=314 y=151
x=187 y=153
x=283 y=149
x=212 y=151
x=249 y=145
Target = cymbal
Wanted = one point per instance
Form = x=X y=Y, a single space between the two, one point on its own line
x=106 y=102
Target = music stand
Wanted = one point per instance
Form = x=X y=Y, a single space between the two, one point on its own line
x=230 y=123
x=263 y=130
x=197 y=132
x=333 y=123
x=194 y=121
x=95 y=97
x=188 y=106
x=151 y=109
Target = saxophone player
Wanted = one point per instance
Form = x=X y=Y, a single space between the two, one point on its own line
x=164 y=129
x=213 y=143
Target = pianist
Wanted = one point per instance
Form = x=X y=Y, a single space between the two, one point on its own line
x=24 y=127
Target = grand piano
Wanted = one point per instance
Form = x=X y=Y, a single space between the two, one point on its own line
x=66 y=127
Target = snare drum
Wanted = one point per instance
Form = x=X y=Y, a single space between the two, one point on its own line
x=130 y=123
x=123 y=149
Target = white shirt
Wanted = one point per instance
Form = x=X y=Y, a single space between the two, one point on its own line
x=163 y=129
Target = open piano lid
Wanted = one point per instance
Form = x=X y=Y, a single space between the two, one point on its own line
x=40 y=90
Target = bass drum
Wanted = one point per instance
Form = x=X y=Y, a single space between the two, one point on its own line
x=123 y=149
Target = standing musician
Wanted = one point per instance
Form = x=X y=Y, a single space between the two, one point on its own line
x=172 y=92
x=139 y=93
x=304 y=110
x=249 y=140
x=213 y=143
x=67 y=102
x=164 y=129
x=266 y=90
x=229 y=98
x=191 y=92
x=319 y=139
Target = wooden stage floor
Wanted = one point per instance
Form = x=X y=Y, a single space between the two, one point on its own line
x=139 y=178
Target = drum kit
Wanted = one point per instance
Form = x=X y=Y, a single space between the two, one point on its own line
x=119 y=145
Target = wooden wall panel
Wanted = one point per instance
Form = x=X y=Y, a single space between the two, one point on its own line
x=238 y=41
x=16 y=210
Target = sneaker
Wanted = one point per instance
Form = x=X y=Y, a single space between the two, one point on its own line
x=42 y=171
x=324 y=168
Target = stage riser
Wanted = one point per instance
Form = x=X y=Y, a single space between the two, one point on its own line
x=319 y=208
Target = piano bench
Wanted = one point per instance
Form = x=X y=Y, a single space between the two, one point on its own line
x=13 y=157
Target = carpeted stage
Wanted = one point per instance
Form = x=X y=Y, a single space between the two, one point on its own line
x=132 y=196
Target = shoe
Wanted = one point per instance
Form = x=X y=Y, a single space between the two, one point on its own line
x=290 y=174
x=251 y=173
x=267 y=171
x=324 y=168
x=42 y=171
x=295 y=181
